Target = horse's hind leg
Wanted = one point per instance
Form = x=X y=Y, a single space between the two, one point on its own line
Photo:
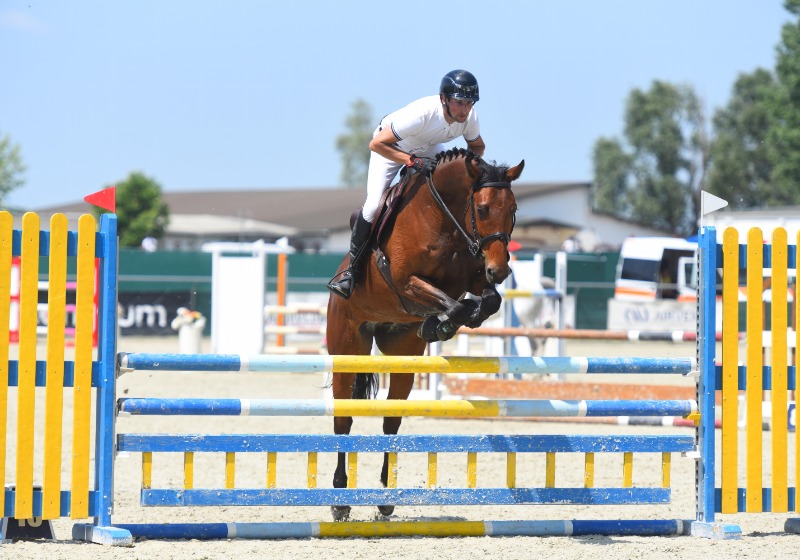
x=345 y=339
x=397 y=341
x=341 y=425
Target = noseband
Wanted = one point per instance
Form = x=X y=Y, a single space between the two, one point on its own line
x=475 y=242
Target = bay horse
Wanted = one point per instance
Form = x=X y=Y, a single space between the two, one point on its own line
x=446 y=248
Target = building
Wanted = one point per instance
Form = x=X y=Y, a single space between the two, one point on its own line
x=550 y=216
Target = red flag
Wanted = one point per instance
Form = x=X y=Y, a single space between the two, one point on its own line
x=105 y=199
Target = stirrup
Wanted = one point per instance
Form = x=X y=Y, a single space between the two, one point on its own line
x=344 y=287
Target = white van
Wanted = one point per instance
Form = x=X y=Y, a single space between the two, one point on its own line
x=649 y=267
x=651 y=291
x=656 y=286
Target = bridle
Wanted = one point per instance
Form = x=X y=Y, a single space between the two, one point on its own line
x=475 y=242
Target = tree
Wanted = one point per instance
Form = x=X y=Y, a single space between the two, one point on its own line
x=612 y=168
x=353 y=145
x=657 y=180
x=141 y=211
x=741 y=168
x=783 y=138
x=11 y=167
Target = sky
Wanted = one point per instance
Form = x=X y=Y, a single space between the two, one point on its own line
x=235 y=94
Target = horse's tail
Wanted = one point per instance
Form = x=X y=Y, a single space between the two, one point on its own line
x=365 y=386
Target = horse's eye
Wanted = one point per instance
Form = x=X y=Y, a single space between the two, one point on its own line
x=483 y=211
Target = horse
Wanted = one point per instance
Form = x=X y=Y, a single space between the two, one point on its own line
x=444 y=249
x=535 y=311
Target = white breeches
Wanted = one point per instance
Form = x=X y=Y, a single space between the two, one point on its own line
x=379 y=178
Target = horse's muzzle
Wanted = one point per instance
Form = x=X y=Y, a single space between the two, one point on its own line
x=497 y=274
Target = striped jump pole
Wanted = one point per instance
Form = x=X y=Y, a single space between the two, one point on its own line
x=401 y=364
x=544 y=293
x=586 y=334
x=295 y=329
x=442 y=409
x=378 y=529
x=282 y=311
x=296 y=309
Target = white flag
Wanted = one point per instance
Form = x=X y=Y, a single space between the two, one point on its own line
x=710 y=203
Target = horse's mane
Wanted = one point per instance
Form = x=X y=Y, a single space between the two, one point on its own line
x=490 y=171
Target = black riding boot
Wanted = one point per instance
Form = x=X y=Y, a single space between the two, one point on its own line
x=343 y=284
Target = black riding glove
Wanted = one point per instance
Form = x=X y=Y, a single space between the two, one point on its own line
x=422 y=166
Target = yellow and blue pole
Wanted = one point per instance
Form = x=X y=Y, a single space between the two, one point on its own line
x=401 y=364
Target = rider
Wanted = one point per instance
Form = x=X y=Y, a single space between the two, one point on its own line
x=411 y=136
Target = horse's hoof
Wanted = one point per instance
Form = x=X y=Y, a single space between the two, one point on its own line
x=386 y=511
x=473 y=307
x=340 y=513
x=427 y=330
x=490 y=302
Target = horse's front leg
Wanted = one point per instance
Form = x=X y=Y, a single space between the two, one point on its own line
x=452 y=315
x=489 y=305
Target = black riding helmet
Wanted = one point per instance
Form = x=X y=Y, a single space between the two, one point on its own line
x=460 y=84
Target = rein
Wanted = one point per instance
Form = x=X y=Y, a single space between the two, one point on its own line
x=474 y=242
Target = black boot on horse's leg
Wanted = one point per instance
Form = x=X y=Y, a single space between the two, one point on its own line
x=343 y=283
x=340 y=513
x=385 y=510
x=391 y=426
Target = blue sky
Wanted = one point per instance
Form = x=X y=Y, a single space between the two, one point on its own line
x=252 y=94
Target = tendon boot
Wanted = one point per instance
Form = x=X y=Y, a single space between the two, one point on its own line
x=342 y=284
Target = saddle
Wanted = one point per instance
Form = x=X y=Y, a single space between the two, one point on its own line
x=389 y=201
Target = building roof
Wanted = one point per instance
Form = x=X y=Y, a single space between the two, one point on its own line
x=319 y=219
x=208 y=225
x=306 y=211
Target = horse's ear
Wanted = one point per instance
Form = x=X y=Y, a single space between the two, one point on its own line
x=514 y=173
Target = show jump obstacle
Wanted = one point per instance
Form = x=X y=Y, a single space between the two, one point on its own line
x=90 y=493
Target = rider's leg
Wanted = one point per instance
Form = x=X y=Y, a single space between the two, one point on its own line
x=344 y=283
x=380 y=174
x=379 y=177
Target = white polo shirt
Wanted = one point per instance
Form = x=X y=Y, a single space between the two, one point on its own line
x=421 y=124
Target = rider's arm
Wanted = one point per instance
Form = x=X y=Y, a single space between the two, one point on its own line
x=477 y=146
x=383 y=144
